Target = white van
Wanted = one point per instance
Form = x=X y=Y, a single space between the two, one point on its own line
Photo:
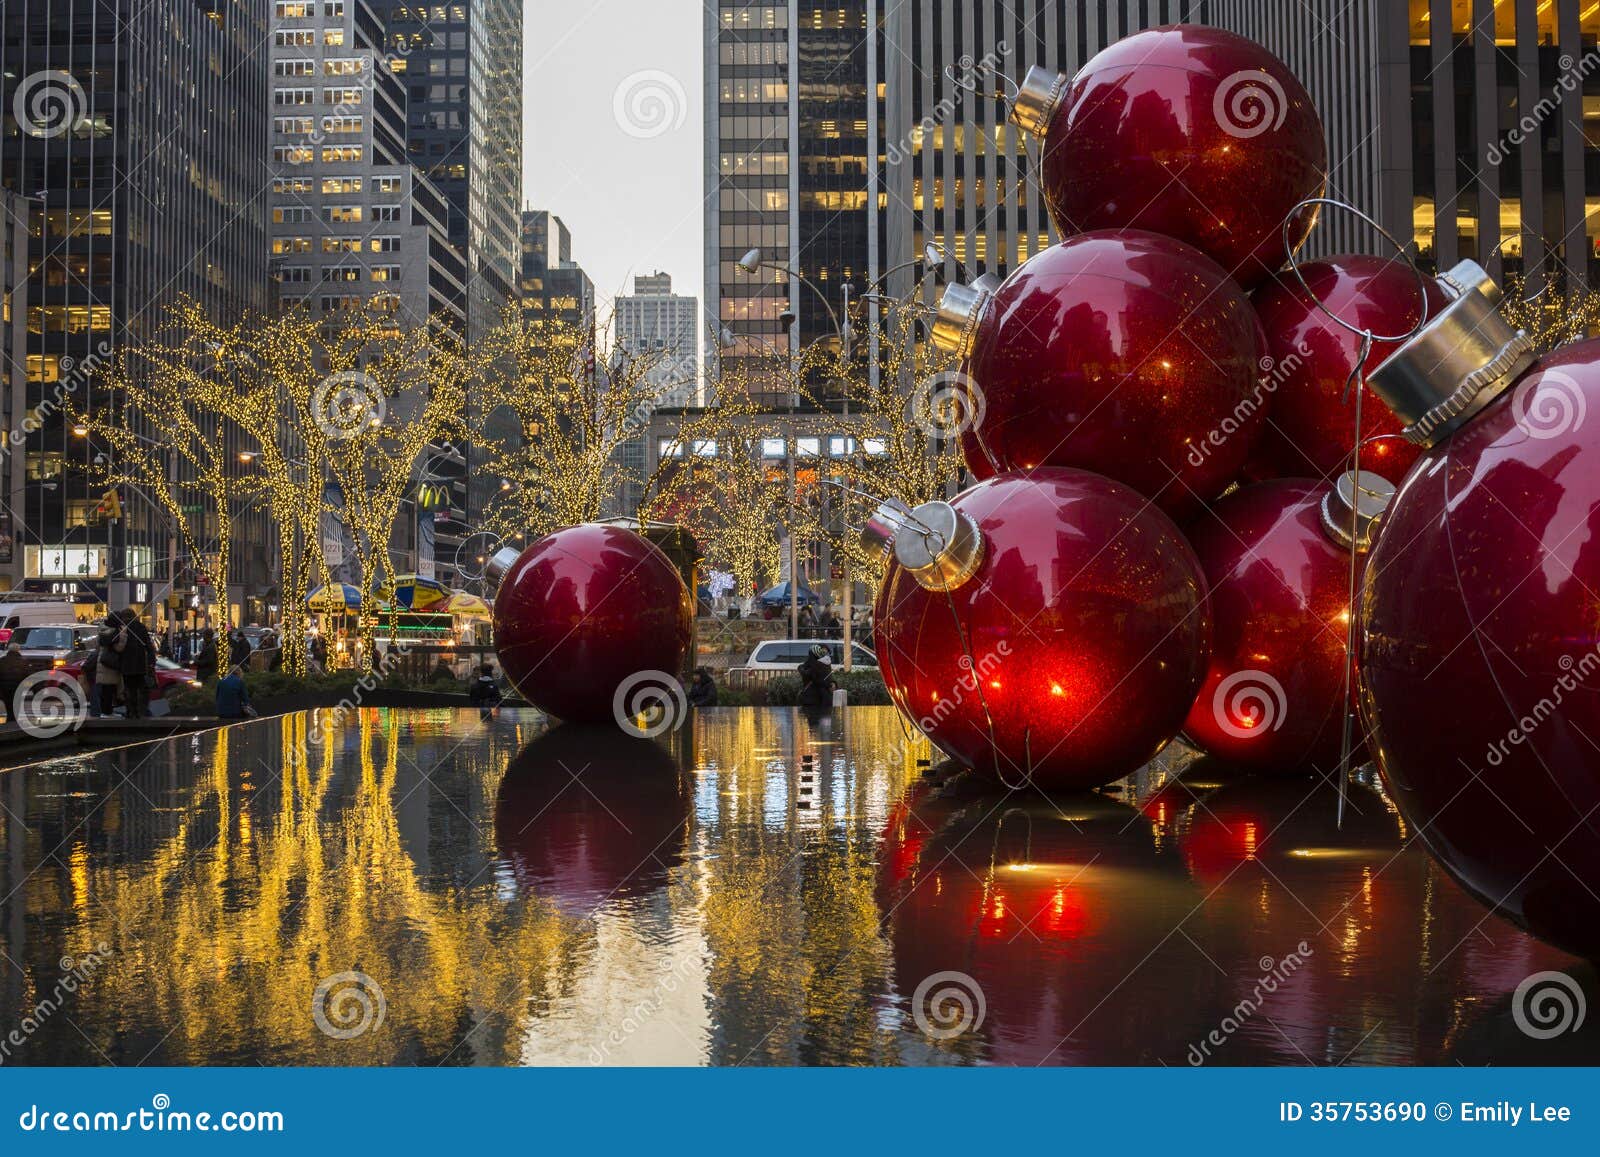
x=787 y=654
x=18 y=611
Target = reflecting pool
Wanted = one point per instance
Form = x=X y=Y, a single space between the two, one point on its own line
x=422 y=887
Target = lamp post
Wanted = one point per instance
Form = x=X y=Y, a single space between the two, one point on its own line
x=750 y=263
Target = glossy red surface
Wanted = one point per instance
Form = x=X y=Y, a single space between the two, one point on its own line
x=1312 y=428
x=1279 y=591
x=1193 y=132
x=1480 y=672
x=1118 y=352
x=612 y=835
x=1029 y=905
x=584 y=608
x=1083 y=634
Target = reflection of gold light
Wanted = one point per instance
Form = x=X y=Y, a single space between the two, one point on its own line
x=1343 y=617
x=1327 y=853
x=1055 y=689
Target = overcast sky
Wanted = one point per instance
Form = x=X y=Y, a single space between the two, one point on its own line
x=613 y=129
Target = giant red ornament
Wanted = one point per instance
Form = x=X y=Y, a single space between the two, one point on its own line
x=1072 y=618
x=1274 y=555
x=584 y=609
x=1313 y=423
x=1117 y=352
x=1185 y=130
x=1480 y=661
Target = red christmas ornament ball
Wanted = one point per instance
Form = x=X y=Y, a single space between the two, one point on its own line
x=1274 y=693
x=1117 y=352
x=1192 y=132
x=1480 y=661
x=1312 y=428
x=1082 y=634
x=583 y=610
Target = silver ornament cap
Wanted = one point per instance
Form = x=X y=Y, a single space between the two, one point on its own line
x=1359 y=498
x=501 y=561
x=1460 y=361
x=955 y=328
x=1037 y=98
x=878 y=535
x=939 y=546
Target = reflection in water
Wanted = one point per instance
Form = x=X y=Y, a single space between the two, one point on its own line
x=758 y=888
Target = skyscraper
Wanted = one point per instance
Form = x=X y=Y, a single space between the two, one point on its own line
x=138 y=128
x=13 y=373
x=654 y=322
x=352 y=219
x=462 y=67
x=553 y=287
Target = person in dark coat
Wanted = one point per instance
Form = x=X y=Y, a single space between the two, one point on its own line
x=239 y=649
x=108 y=663
x=205 y=663
x=138 y=664
x=13 y=670
x=816 y=681
x=484 y=693
x=702 y=689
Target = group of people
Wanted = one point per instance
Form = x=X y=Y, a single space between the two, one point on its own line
x=122 y=665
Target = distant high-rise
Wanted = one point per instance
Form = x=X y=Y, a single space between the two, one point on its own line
x=462 y=68
x=653 y=322
x=553 y=287
x=352 y=219
x=138 y=128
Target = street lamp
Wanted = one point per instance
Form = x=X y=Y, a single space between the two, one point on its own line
x=752 y=262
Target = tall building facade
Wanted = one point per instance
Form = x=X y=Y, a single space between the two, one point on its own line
x=13 y=375
x=352 y=220
x=138 y=129
x=462 y=67
x=1467 y=128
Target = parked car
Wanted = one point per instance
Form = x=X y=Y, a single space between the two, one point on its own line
x=787 y=654
x=171 y=678
x=53 y=645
